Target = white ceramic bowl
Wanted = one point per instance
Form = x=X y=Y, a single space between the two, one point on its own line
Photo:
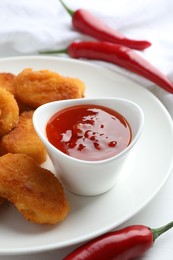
x=89 y=177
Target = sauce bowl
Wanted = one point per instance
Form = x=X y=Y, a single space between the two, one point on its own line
x=84 y=177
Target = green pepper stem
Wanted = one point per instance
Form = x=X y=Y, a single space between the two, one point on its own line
x=159 y=231
x=70 y=11
x=54 y=52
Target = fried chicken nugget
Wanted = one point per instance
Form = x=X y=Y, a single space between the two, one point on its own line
x=35 y=88
x=6 y=81
x=35 y=191
x=24 y=139
x=9 y=112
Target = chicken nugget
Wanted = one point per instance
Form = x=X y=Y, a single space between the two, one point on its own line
x=9 y=112
x=35 y=88
x=24 y=139
x=35 y=191
x=6 y=81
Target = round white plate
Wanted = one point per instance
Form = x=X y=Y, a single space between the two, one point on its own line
x=143 y=176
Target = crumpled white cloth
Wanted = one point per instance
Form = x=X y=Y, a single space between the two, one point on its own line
x=28 y=27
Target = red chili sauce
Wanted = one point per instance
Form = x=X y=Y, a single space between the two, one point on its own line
x=89 y=132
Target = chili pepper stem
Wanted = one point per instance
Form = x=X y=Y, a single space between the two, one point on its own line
x=159 y=231
x=54 y=52
x=70 y=11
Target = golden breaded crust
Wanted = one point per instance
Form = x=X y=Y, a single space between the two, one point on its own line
x=9 y=112
x=6 y=81
x=35 y=88
x=35 y=192
x=24 y=139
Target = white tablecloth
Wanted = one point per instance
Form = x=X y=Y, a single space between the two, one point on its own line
x=30 y=26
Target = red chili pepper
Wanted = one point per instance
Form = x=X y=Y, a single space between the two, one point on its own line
x=124 y=244
x=119 y=55
x=87 y=23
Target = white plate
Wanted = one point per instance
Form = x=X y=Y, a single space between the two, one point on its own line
x=144 y=174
